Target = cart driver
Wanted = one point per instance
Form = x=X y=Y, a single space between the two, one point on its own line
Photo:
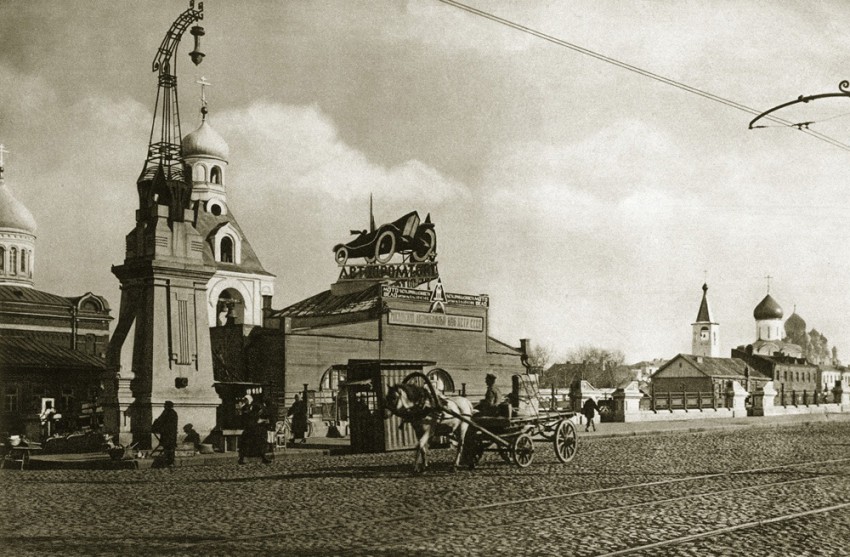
x=492 y=398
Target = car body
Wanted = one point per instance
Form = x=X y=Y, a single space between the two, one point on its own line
x=405 y=235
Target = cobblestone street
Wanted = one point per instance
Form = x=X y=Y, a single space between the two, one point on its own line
x=765 y=491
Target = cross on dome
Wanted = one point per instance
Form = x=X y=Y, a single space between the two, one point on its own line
x=204 y=84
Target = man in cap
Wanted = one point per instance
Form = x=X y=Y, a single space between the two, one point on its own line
x=492 y=398
x=166 y=427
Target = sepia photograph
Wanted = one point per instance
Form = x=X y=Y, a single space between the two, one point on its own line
x=424 y=278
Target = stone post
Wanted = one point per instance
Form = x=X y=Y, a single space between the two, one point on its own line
x=841 y=395
x=736 y=397
x=763 y=400
x=627 y=403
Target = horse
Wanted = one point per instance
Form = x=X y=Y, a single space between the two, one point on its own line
x=416 y=405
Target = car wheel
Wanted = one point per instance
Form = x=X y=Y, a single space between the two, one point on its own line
x=341 y=256
x=385 y=246
x=426 y=244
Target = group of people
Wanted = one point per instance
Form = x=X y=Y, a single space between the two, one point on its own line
x=165 y=426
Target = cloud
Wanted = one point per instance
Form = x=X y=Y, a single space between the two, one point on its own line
x=297 y=149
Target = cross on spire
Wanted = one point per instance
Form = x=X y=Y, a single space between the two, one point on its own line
x=768 y=277
x=204 y=84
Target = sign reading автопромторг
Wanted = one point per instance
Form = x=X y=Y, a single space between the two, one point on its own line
x=437 y=320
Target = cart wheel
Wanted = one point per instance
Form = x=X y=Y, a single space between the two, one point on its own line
x=566 y=441
x=522 y=450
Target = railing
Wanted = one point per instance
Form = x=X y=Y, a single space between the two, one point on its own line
x=686 y=400
x=802 y=398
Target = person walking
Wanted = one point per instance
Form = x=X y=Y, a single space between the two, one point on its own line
x=166 y=427
x=589 y=410
x=298 y=412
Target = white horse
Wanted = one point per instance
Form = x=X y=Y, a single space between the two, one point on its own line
x=416 y=405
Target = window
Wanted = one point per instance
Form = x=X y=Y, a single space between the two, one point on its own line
x=23 y=262
x=200 y=173
x=67 y=399
x=227 y=249
x=10 y=402
x=215 y=175
x=2 y=259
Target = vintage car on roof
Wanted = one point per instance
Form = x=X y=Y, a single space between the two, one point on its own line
x=406 y=235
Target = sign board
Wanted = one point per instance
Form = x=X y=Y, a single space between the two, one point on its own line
x=391 y=291
x=436 y=320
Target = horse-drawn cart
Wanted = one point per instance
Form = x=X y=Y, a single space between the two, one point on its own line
x=511 y=433
x=513 y=437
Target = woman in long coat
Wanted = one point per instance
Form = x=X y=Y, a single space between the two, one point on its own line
x=298 y=412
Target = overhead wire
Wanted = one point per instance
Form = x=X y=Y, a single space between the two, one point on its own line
x=646 y=73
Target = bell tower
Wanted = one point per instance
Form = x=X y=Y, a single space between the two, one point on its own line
x=160 y=349
x=706 y=341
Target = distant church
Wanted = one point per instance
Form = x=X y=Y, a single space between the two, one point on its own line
x=770 y=357
x=51 y=347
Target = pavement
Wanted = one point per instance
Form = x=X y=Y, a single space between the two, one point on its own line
x=327 y=446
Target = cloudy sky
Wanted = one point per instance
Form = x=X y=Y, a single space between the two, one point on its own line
x=589 y=202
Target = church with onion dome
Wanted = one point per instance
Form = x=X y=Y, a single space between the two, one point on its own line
x=240 y=287
x=52 y=347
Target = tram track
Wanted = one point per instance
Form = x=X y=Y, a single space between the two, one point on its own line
x=424 y=516
x=501 y=525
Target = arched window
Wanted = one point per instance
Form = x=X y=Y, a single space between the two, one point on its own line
x=2 y=259
x=215 y=175
x=13 y=260
x=200 y=172
x=23 y=261
x=227 y=249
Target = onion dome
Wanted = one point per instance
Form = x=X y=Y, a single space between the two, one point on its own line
x=205 y=142
x=13 y=213
x=794 y=324
x=767 y=309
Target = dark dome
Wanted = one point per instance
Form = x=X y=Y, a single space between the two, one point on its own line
x=767 y=309
x=795 y=323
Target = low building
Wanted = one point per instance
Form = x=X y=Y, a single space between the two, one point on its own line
x=789 y=374
x=389 y=322
x=703 y=374
x=51 y=347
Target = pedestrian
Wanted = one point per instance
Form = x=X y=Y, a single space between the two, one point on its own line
x=589 y=410
x=255 y=422
x=166 y=427
x=492 y=398
x=298 y=412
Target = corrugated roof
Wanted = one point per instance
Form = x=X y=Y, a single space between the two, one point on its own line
x=722 y=367
x=325 y=303
x=13 y=293
x=31 y=353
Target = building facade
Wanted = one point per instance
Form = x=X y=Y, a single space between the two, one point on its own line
x=52 y=347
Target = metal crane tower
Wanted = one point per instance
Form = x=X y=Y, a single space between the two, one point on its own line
x=164 y=179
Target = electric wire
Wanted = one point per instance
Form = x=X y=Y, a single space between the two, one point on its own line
x=646 y=73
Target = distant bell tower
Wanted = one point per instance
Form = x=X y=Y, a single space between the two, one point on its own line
x=706 y=337
x=160 y=349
